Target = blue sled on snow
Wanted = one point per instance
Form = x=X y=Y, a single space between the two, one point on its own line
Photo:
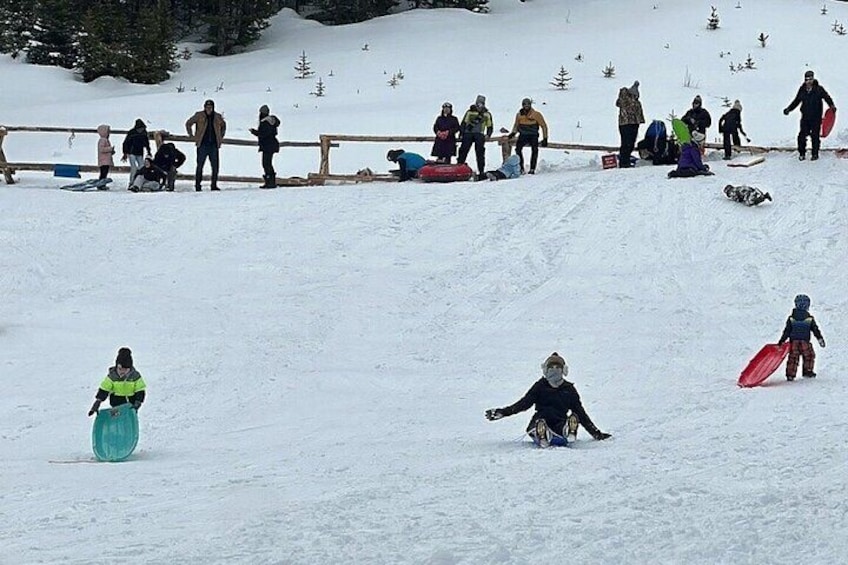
x=556 y=440
x=115 y=433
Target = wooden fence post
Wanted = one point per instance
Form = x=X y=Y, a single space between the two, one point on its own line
x=7 y=171
x=324 y=168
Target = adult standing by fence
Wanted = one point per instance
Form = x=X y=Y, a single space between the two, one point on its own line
x=209 y=131
x=526 y=126
x=810 y=96
x=268 y=144
x=630 y=115
x=477 y=127
x=136 y=145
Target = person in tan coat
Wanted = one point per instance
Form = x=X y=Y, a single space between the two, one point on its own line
x=208 y=134
x=629 y=117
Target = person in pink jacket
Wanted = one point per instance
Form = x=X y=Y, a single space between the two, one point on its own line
x=105 y=151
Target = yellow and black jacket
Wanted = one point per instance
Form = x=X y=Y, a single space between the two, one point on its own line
x=122 y=390
x=528 y=122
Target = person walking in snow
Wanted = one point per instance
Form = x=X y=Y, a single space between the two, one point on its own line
x=446 y=128
x=511 y=169
x=475 y=129
x=697 y=117
x=209 y=130
x=799 y=325
x=690 y=163
x=729 y=126
x=409 y=163
x=122 y=385
x=268 y=144
x=136 y=145
x=527 y=123
x=169 y=159
x=810 y=97
x=105 y=151
x=559 y=410
x=629 y=117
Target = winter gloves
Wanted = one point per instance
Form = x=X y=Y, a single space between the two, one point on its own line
x=600 y=436
x=821 y=341
x=512 y=134
x=544 y=142
x=493 y=414
x=94 y=408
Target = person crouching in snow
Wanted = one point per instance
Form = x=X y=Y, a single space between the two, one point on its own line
x=554 y=398
x=409 y=163
x=122 y=385
x=690 y=163
x=511 y=169
x=747 y=195
x=799 y=325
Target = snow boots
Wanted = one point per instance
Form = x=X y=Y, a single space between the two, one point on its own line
x=543 y=433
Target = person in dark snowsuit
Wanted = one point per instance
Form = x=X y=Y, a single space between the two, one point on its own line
x=476 y=127
x=798 y=327
x=729 y=125
x=169 y=159
x=268 y=144
x=810 y=96
x=446 y=129
x=149 y=178
x=122 y=385
x=136 y=145
x=559 y=410
x=697 y=118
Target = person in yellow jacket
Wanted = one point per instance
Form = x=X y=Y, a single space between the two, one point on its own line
x=122 y=385
x=528 y=121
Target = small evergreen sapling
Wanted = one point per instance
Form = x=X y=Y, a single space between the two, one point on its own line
x=303 y=67
x=762 y=39
x=609 y=70
x=393 y=82
x=713 y=21
x=561 y=79
x=319 y=88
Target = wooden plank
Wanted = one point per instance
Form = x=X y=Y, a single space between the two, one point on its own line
x=353 y=178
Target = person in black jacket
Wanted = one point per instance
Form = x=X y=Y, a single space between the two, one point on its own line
x=729 y=125
x=268 y=144
x=697 y=118
x=149 y=178
x=554 y=398
x=169 y=159
x=810 y=96
x=136 y=145
x=799 y=325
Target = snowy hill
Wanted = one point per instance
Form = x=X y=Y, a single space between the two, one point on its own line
x=319 y=360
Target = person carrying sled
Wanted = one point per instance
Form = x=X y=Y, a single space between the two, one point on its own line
x=629 y=117
x=559 y=411
x=408 y=162
x=476 y=127
x=527 y=123
x=511 y=169
x=799 y=325
x=690 y=163
x=122 y=385
x=446 y=129
x=136 y=145
x=697 y=117
x=169 y=159
x=149 y=178
x=268 y=144
x=105 y=151
x=810 y=96
x=747 y=195
x=729 y=126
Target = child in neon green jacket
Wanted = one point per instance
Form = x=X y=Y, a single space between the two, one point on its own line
x=122 y=385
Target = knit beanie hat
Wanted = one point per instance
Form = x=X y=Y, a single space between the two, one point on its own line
x=802 y=302
x=634 y=90
x=393 y=155
x=737 y=105
x=526 y=102
x=139 y=124
x=809 y=74
x=124 y=358
x=480 y=101
x=697 y=100
x=264 y=110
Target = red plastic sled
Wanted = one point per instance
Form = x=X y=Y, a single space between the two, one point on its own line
x=828 y=121
x=764 y=363
x=443 y=172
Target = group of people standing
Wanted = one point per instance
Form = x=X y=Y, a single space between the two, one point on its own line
x=149 y=173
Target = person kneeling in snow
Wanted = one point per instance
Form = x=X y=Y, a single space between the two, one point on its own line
x=747 y=195
x=690 y=163
x=409 y=163
x=554 y=398
x=122 y=385
x=511 y=169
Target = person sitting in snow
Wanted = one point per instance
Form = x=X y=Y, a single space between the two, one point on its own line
x=747 y=195
x=690 y=163
x=408 y=162
x=559 y=411
x=799 y=325
x=149 y=178
x=122 y=385
x=511 y=169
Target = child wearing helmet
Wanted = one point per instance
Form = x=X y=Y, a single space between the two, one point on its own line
x=559 y=410
x=799 y=325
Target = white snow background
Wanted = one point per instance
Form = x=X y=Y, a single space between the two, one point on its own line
x=318 y=360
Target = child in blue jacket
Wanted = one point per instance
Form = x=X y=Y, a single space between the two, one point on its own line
x=799 y=325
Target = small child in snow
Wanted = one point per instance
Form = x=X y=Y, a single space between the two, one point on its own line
x=799 y=325
x=105 y=151
x=747 y=195
x=122 y=385
x=511 y=169
x=690 y=163
x=729 y=125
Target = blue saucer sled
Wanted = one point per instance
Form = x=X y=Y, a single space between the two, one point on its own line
x=115 y=433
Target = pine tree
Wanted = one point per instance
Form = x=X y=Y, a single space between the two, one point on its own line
x=17 y=18
x=339 y=12
x=235 y=23
x=303 y=67
x=319 y=88
x=609 y=71
x=55 y=34
x=103 y=49
x=561 y=79
x=153 y=52
x=712 y=22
